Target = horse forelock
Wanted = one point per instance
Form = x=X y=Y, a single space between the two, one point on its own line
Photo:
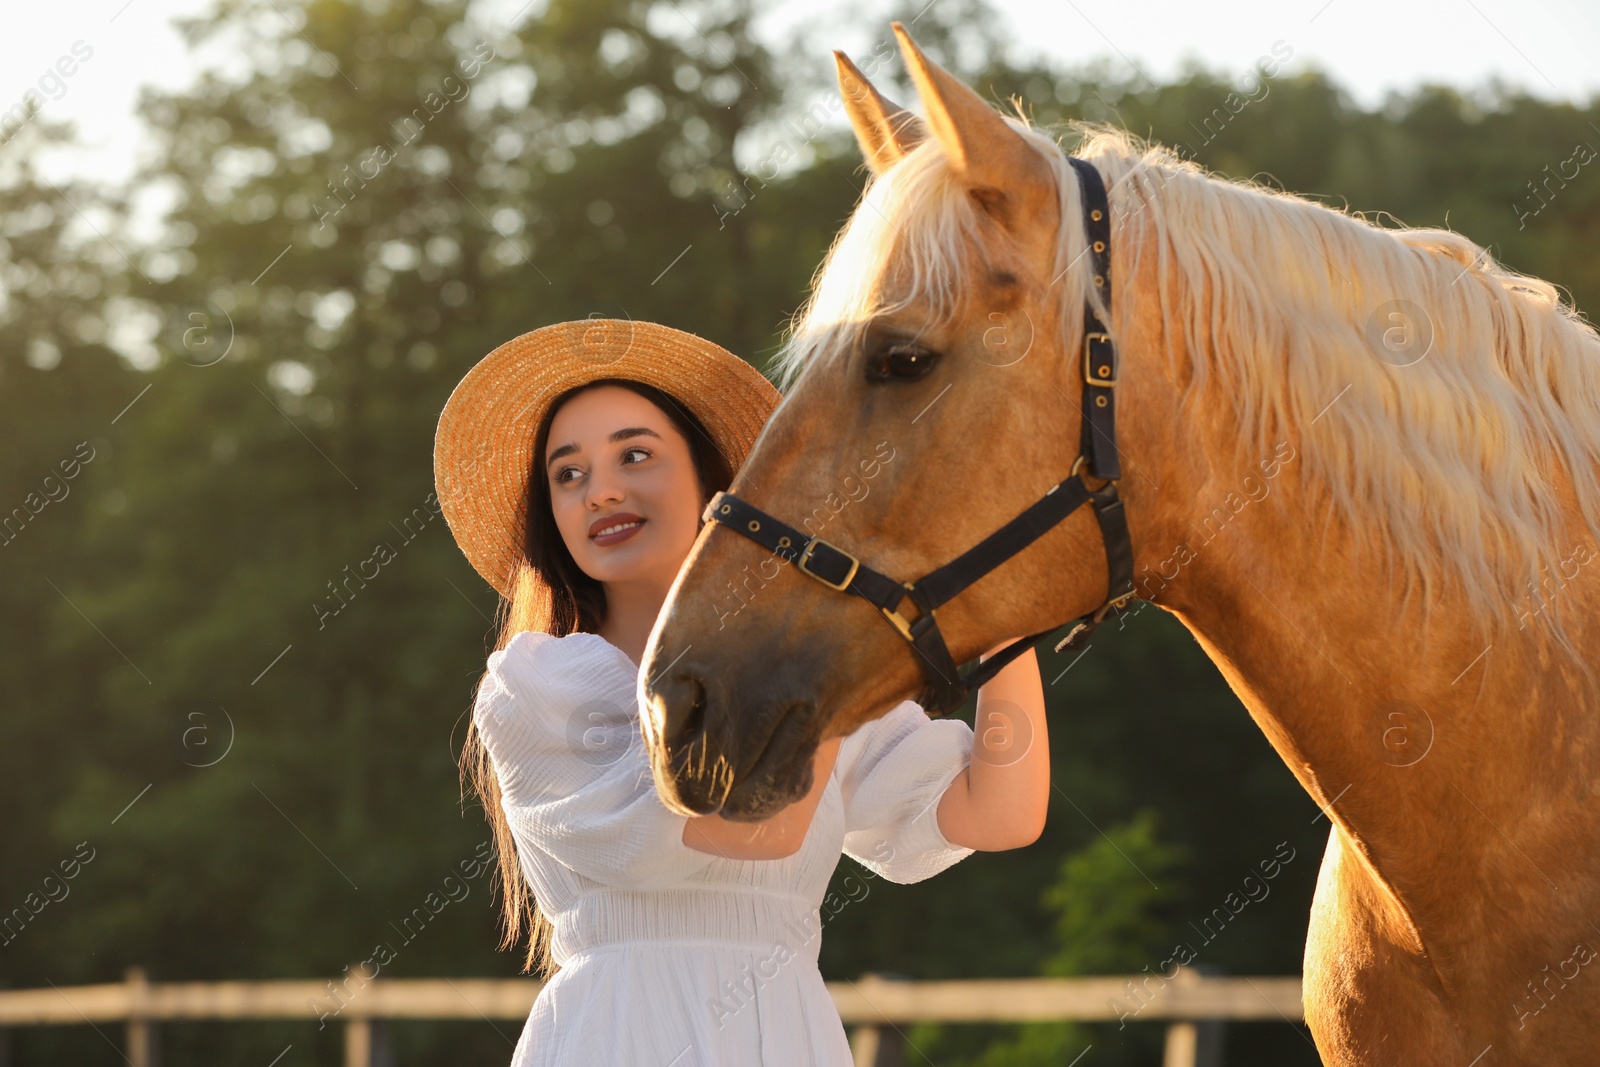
x=907 y=246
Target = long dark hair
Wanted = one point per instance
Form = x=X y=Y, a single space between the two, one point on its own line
x=552 y=594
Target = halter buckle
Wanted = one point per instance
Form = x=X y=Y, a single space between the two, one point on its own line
x=1078 y=465
x=897 y=620
x=810 y=549
x=1110 y=361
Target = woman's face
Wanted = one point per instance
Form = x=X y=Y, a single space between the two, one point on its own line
x=613 y=458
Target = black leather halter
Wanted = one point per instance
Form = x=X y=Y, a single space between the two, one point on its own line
x=837 y=569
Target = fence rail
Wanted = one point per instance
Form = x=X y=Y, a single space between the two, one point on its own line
x=1193 y=1006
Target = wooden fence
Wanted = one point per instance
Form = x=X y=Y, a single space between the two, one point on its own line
x=874 y=1008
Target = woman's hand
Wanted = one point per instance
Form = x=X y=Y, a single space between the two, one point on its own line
x=999 y=801
x=774 y=837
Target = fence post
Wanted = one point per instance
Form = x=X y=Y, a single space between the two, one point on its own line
x=5 y=1033
x=358 y=1042
x=1194 y=1043
x=1182 y=1042
x=367 y=1044
x=864 y=1041
x=141 y=1038
x=873 y=1045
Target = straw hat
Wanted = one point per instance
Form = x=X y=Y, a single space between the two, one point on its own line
x=483 y=449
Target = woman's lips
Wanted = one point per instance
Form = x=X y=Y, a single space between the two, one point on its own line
x=618 y=536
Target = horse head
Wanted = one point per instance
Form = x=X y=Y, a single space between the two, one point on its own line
x=936 y=379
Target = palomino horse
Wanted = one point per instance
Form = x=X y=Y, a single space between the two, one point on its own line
x=1359 y=464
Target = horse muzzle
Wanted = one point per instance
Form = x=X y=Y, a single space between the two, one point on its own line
x=712 y=753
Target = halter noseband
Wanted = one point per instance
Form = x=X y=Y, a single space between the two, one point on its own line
x=1097 y=448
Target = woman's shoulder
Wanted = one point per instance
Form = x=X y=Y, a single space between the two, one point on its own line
x=906 y=726
x=872 y=734
x=520 y=648
x=535 y=646
x=542 y=666
x=899 y=719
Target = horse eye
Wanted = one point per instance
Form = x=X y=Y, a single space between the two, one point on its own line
x=901 y=361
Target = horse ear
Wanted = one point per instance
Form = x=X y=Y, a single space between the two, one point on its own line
x=997 y=165
x=885 y=130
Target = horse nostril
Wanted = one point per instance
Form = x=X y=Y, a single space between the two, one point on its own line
x=693 y=718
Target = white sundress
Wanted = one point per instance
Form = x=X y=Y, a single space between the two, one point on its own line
x=671 y=957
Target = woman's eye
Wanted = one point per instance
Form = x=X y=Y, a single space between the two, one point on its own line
x=902 y=361
x=560 y=477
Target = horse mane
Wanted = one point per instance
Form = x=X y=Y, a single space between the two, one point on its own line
x=1450 y=466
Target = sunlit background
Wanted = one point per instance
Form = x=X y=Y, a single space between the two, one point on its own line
x=246 y=398
x=1369 y=47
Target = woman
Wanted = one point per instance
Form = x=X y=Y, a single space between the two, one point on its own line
x=573 y=464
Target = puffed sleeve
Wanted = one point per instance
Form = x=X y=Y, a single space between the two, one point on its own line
x=574 y=776
x=892 y=772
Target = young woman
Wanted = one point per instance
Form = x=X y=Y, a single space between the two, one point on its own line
x=573 y=464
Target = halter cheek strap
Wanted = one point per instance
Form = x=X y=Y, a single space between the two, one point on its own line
x=1098 y=437
x=947 y=687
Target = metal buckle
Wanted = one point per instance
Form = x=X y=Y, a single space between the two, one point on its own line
x=805 y=555
x=1088 y=375
x=1078 y=465
x=897 y=620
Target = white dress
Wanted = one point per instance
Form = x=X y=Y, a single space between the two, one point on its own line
x=671 y=957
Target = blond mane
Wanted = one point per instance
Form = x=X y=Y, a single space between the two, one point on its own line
x=1451 y=464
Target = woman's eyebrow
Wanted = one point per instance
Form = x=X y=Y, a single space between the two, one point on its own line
x=618 y=435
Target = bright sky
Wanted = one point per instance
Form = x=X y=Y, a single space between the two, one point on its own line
x=1547 y=47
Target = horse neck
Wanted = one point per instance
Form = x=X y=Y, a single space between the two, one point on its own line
x=1430 y=744
x=1455 y=757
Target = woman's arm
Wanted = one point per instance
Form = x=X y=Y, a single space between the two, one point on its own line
x=774 y=837
x=999 y=801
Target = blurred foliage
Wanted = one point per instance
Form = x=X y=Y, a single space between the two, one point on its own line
x=260 y=748
x=1111 y=917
